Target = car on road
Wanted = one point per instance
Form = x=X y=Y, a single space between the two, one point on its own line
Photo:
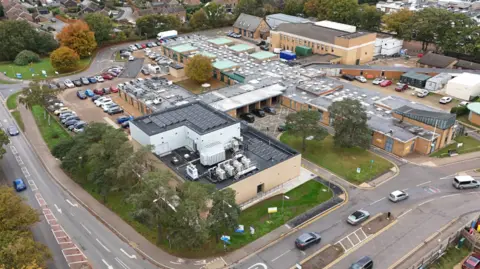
x=422 y=93
x=12 y=130
x=270 y=110
x=69 y=83
x=397 y=196
x=81 y=95
x=89 y=93
x=348 y=77
x=445 y=100
x=123 y=119
x=307 y=239
x=259 y=113
x=78 y=83
x=364 y=263
x=472 y=262
x=92 y=80
x=385 y=83
x=358 y=217
x=85 y=81
x=19 y=185
x=401 y=87
x=99 y=78
x=465 y=182
x=107 y=76
x=113 y=89
x=362 y=79
x=98 y=91
x=377 y=81
x=248 y=117
x=131 y=58
x=114 y=110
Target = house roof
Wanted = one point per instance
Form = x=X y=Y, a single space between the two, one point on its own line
x=436 y=60
x=276 y=19
x=439 y=120
x=467 y=65
x=247 y=22
x=474 y=107
x=312 y=31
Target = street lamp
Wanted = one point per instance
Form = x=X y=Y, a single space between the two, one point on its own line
x=283 y=201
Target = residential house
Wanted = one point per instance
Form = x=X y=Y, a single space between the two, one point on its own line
x=14 y=10
x=165 y=7
x=91 y=7
x=433 y=60
x=462 y=64
x=251 y=27
x=69 y=3
x=228 y=5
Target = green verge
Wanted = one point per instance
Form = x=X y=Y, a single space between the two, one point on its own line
x=12 y=101
x=452 y=257
x=10 y=69
x=341 y=161
x=53 y=133
x=18 y=118
x=2 y=81
x=469 y=145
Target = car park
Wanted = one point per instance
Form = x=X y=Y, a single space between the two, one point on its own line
x=123 y=119
x=71 y=122
x=270 y=110
x=77 y=83
x=465 y=182
x=98 y=91
x=73 y=117
x=348 y=77
x=385 y=83
x=445 y=100
x=85 y=81
x=259 y=113
x=113 y=89
x=358 y=217
x=102 y=100
x=61 y=110
x=89 y=93
x=107 y=76
x=361 y=79
x=248 y=117
x=401 y=87
x=472 y=262
x=364 y=263
x=306 y=240
x=107 y=106
x=12 y=130
x=131 y=58
x=92 y=80
x=99 y=78
x=397 y=196
x=114 y=110
x=377 y=81
x=81 y=95
x=69 y=83
x=19 y=185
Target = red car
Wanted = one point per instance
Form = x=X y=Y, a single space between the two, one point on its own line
x=472 y=262
x=401 y=87
x=107 y=76
x=143 y=46
x=386 y=83
x=113 y=89
x=113 y=74
x=98 y=91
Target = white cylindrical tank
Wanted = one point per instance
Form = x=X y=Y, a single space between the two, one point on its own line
x=229 y=169
x=237 y=165
x=246 y=162
x=220 y=173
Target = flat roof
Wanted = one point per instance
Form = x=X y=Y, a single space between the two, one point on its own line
x=262 y=55
x=205 y=53
x=474 y=107
x=315 y=32
x=466 y=79
x=183 y=48
x=241 y=47
x=220 y=41
x=224 y=64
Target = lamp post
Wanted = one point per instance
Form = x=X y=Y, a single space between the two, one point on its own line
x=283 y=201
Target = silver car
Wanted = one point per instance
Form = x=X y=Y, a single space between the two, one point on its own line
x=358 y=217
x=398 y=196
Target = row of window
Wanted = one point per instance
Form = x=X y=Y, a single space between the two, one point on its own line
x=301 y=42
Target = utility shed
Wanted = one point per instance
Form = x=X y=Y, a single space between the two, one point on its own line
x=437 y=82
x=465 y=86
x=414 y=79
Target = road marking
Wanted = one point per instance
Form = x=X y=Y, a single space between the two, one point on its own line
x=88 y=231
x=286 y=225
x=281 y=255
x=424 y=183
x=112 y=123
x=58 y=208
x=303 y=252
x=128 y=255
x=108 y=265
x=404 y=213
x=428 y=201
x=71 y=213
x=258 y=266
x=122 y=263
x=377 y=201
x=14 y=150
x=19 y=160
x=72 y=204
x=33 y=186
x=103 y=245
x=25 y=171
x=405 y=189
x=450 y=195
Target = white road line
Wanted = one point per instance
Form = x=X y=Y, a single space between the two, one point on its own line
x=72 y=248
x=73 y=255
x=428 y=201
x=303 y=253
x=72 y=204
x=348 y=237
x=450 y=195
x=71 y=213
x=404 y=213
x=424 y=183
x=281 y=255
x=405 y=189
x=377 y=201
x=122 y=263
x=340 y=242
x=88 y=231
x=108 y=265
x=128 y=255
x=103 y=245
x=33 y=186
x=286 y=225
x=19 y=160
x=58 y=208
x=14 y=150
x=25 y=171
x=70 y=263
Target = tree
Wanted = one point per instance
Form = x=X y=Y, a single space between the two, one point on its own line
x=79 y=38
x=293 y=7
x=199 y=68
x=151 y=25
x=64 y=59
x=134 y=165
x=101 y=25
x=4 y=140
x=252 y=7
x=343 y=11
x=310 y=8
x=398 y=22
x=35 y=94
x=224 y=214
x=305 y=124
x=17 y=247
x=26 y=57
x=2 y=12
x=350 y=124
x=369 y=18
x=215 y=14
x=199 y=20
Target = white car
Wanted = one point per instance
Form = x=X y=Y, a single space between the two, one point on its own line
x=362 y=79
x=397 y=196
x=69 y=83
x=463 y=103
x=60 y=110
x=445 y=100
x=131 y=58
x=422 y=93
x=377 y=81
x=107 y=106
x=99 y=78
x=102 y=100
x=132 y=47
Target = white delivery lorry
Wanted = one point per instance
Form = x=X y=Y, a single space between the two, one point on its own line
x=167 y=34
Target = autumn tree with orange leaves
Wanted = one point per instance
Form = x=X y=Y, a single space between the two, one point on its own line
x=79 y=38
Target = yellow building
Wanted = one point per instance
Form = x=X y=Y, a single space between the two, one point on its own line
x=354 y=47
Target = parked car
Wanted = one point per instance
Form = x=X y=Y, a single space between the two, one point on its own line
x=132 y=47
x=385 y=83
x=69 y=119
x=66 y=115
x=71 y=122
x=92 y=80
x=364 y=263
x=12 y=130
x=107 y=76
x=81 y=95
x=472 y=262
x=445 y=100
x=89 y=93
x=422 y=93
x=113 y=89
x=113 y=74
x=114 y=110
x=362 y=79
x=143 y=46
x=306 y=240
x=102 y=100
x=95 y=97
x=270 y=110
x=79 y=127
x=107 y=106
x=377 y=81
x=260 y=43
x=69 y=83
x=138 y=46
x=348 y=77
x=358 y=217
x=463 y=103
x=19 y=185
x=99 y=78
x=106 y=90
x=123 y=119
x=77 y=83
x=85 y=81
x=98 y=91
x=401 y=87
x=397 y=196
x=60 y=110
x=259 y=113
x=265 y=47
x=125 y=125
x=145 y=72
x=282 y=128
x=248 y=117
x=131 y=58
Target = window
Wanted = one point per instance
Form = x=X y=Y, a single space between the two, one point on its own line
x=322 y=47
x=309 y=107
x=326 y=48
x=318 y=46
x=321 y=114
x=260 y=188
x=332 y=49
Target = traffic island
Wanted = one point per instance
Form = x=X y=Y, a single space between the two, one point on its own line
x=323 y=257
x=377 y=223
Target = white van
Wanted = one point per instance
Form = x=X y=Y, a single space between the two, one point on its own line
x=465 y=182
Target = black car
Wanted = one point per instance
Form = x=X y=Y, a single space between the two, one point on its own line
x=259 y=113
x=264 y=47
x=348 y=77
x=12 y=130
x=306 y=240
x=71 y=122
x=81 y=95
x=363 y=263
x=145 y=72
x=248 y=117
x=95 y=97
x=282 y=128
x=270 y=110
x=77 y=83
x=261 y=43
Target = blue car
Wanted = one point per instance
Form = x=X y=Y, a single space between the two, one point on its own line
x=92 y=80
x=81 y=95
x=19 y=185
x=89 y=93
x=123 y=119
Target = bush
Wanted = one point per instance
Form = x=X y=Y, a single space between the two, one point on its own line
x=25 y=57
x=460 y=110
x=64 y=59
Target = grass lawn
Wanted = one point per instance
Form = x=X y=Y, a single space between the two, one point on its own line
x=464 y=118
x=12 y=101
x=18 y=118
x=453 y=257
x=469 y=145
x=53 y=133
x=11 y=69
x=341 y=161
x=196 y=88
x=119 y=58
x=7 y=82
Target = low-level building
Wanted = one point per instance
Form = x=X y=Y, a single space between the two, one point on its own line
x=251 y=27
x=474 y=116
